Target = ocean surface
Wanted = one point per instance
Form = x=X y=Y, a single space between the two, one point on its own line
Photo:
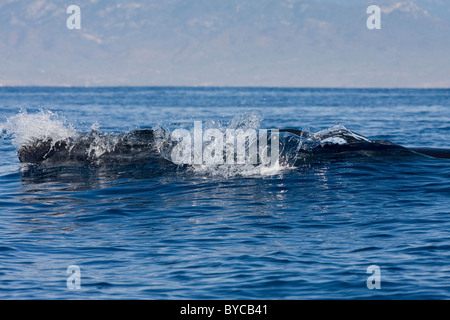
x=306 y=229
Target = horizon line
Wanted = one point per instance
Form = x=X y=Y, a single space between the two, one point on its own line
x=218 y=87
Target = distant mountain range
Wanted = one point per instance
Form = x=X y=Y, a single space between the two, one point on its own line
x=225 y=43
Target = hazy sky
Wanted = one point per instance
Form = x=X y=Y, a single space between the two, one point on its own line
x=225 y=43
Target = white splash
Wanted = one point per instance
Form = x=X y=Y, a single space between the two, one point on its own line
x=244 y=122
x=337 y=134
x=246 y=170
x=25 y=128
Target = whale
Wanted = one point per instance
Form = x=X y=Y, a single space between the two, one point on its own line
x=82 y=148
x=142 y=145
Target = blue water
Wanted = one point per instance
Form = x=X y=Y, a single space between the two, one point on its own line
x=306 y=232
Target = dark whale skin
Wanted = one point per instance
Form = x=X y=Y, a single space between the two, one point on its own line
x=138 y=145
